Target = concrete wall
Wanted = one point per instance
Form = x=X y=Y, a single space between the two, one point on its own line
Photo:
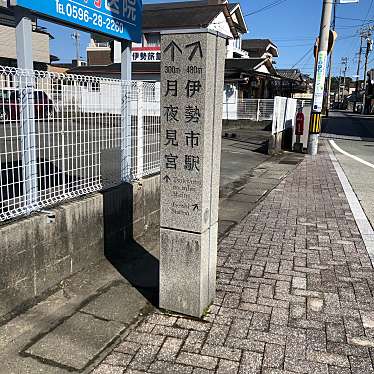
x=38 y=252
x=232 y=124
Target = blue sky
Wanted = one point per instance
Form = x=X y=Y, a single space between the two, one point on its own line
x=293 y=25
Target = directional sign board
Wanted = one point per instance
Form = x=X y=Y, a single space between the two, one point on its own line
x=192 y=79
x=120 y=19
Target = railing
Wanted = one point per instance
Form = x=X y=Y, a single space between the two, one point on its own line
x=94 y=44
x=63 y=136
x=301 y=103
x=252 y=109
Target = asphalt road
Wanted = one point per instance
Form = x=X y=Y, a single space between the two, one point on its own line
x=341 y=124
x=352 y=139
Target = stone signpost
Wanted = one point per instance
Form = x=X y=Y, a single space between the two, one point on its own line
x=192 y=75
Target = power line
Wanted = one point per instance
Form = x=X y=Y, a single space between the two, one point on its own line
x=353 y=26
x=266 y=7
x=368 y=12
x=294 y=45
x=306 y=65
x=346 y=37
x=302 y=58
x=312 y=40
x=293 y=40
x=312 y=48
x=363 y=23
x=304 y=45
x=355 y=19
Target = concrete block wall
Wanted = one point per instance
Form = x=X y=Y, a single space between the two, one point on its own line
x=38 y=252
x=231 y=124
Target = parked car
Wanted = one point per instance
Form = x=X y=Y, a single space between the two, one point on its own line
x=10 y=105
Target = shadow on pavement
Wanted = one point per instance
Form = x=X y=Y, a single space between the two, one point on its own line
x=348 y=124
x=242 y=141
x=134 y=262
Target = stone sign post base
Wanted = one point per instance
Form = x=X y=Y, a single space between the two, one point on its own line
x=188 y=272
x=192 y=76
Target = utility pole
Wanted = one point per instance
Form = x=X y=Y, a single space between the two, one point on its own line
x=319 y=78
x=345 y=74
x=330 y=64
x=339 y=84
x=369 y=45
x=76 y=36
x=358 y=74
x=344 y=63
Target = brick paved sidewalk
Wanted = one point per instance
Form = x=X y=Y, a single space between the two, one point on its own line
x=294 y=294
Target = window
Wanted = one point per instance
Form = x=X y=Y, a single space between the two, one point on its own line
x=238 y=42
x=152 y=40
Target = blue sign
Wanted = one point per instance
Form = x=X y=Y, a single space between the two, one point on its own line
x=121 y=19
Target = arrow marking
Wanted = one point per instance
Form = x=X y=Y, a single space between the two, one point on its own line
x=196 y=47
x=195 y=207
x=166 y=178
x=172 y=46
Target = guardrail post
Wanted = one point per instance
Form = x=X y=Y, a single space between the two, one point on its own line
x=126 y=136
x=27 y=112
x=140 y=132
x=258 y=110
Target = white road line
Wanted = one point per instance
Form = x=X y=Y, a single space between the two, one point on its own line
x=351 y=156
x=359 y=215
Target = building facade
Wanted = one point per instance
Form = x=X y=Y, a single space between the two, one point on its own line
x=104 y=55
x=40 y=41
x=254 y=74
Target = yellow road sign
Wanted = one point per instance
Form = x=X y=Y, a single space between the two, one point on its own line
x=315 y=123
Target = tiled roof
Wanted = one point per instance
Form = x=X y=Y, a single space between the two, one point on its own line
x=180 y=15
x=256 y=43
x=293 y=74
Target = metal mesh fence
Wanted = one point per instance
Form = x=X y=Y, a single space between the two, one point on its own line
x=252 y=109
x=63 y=136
